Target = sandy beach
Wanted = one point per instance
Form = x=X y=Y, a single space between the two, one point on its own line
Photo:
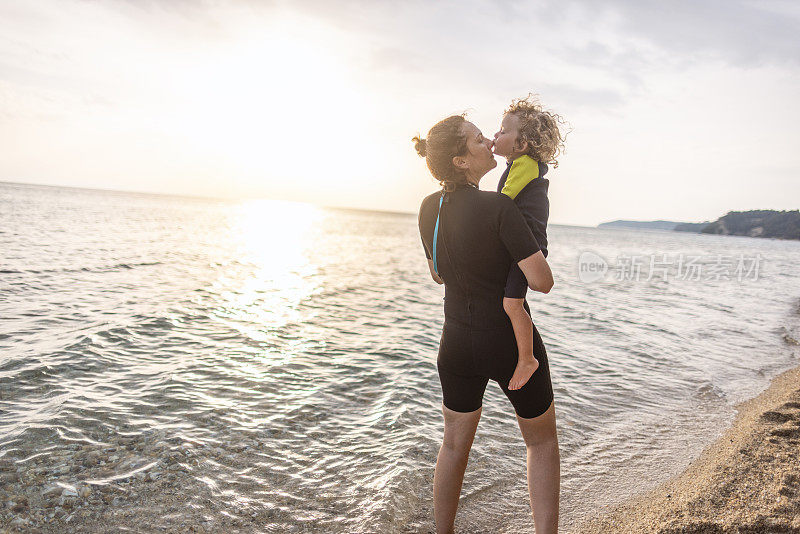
x=748 y=481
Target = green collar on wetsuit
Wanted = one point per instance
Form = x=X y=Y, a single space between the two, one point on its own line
x=523 y=171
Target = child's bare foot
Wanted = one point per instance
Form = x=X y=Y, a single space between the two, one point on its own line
x=523 y=373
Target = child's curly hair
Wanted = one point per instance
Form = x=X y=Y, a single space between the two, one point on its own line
x=539 y=128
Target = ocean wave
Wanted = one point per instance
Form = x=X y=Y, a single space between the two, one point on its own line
x=320 y=397
x=92 y=269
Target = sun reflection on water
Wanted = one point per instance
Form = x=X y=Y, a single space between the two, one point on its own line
x=274 y=241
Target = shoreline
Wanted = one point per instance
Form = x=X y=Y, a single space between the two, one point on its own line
x=747 y=481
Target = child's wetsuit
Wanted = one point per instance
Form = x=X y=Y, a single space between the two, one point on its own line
x=523 y=181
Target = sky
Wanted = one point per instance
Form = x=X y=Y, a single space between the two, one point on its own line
x=676 y=110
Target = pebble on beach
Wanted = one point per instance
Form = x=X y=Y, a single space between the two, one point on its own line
x=123 y=482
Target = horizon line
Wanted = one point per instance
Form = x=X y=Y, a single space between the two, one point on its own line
x=243 y=199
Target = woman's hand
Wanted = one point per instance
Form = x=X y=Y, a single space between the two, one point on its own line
x=433 y=273
x=537 y=271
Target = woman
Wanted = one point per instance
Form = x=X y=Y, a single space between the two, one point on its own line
x=478 y=236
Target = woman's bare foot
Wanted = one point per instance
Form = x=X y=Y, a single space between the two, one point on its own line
x=523 y=373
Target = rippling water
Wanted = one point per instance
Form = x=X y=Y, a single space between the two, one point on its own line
x=271 y=366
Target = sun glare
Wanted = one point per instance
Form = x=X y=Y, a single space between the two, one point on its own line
x=271 y=99
x=275 y=239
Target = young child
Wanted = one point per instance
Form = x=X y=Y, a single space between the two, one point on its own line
x=529 y=138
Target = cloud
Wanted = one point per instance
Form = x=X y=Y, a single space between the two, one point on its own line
x=736 y=32
x=597 y=53
x=161 y=87
x=595 y=98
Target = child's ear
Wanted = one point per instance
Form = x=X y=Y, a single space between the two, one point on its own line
x=521 y=145
x=460 y=162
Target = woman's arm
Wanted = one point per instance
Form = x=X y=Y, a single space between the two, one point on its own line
x=537 y=271
x=435 y=276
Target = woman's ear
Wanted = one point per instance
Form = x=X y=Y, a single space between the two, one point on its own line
x=460 y=162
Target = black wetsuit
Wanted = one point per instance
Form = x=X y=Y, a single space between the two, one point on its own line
x=532 y=201
x=481 y=235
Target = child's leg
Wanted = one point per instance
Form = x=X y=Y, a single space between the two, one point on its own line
x=523 y=331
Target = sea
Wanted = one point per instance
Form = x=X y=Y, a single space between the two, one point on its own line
x=184 y=364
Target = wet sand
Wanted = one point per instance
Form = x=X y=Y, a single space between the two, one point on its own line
x=748 y=481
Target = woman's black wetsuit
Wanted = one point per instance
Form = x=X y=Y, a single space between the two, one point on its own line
x=481 y=234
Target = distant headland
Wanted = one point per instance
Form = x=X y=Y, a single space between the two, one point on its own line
x=754 y=223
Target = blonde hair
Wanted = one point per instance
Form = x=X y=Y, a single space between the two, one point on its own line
x=539 y=128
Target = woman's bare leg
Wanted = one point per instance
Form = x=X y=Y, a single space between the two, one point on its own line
x=544 y=469
x=459 y=432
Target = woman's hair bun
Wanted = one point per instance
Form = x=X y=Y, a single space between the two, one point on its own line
x=420 y=145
